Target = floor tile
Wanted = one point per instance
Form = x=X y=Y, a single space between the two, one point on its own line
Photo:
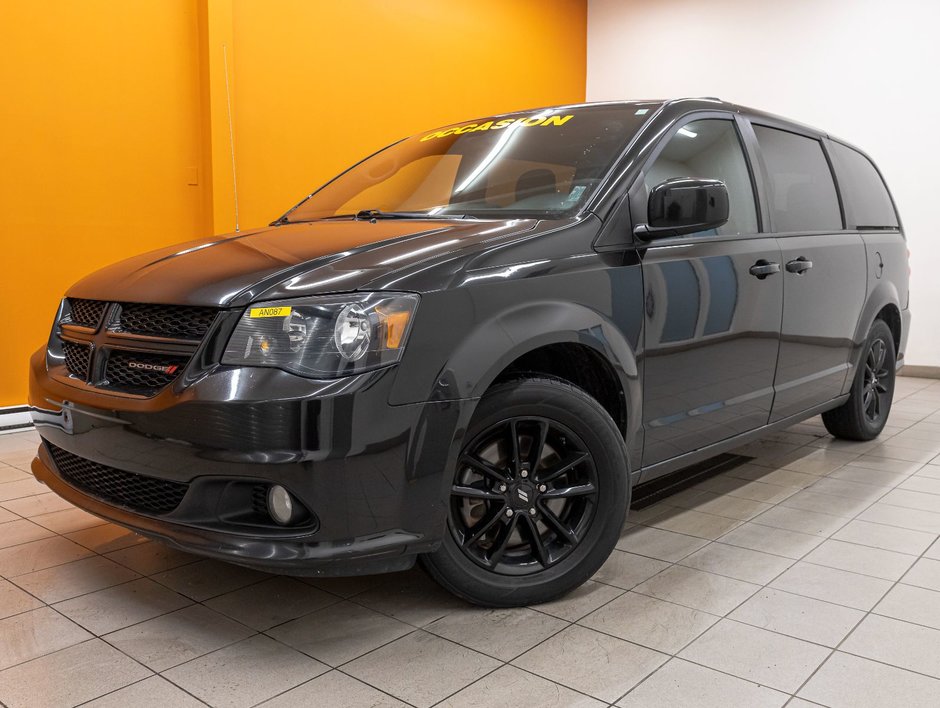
x=61 y=582
x=866 y=560
x=929 y=485
x=271 y=602
x=790 y=544
x=653 y=623
x=70 y=676
x=797 y=616
x=333 y=689
x=902 y=644
x=590 y=662
x=627 y=570
x=817 y=500
x=818 y=461
x=411 y=597
x=208 y=578
x=30 y=634
x=19 y=531
x=810 y=522
x=744 y=489
x=348 y=586
x=580 y=601
x=697 y=589
x=658 y=543
x=682 y=683
x=933 y=551
x=13 y=601
x=757 y=655
x=923 y=501
x=150 y=557
x=107 y=537
x=115 y=608
x=20 y=488
x=694 y=523
x=68 y=520
x=245 y=673
x=501 y=633
x=886 y=465
x=892 y=515
x=7 y=516
x=36 y=555
x=509 y=686
x=340 y=633
x=890 y=538
x=421 y=668
x=924 y=574
x=840 y=587
x=912 y=604
x=738 y=563
x=37 y=504
x=175 y=638
x=782 y=478
x=153 y=692
x=846 y=681
x=863 y=482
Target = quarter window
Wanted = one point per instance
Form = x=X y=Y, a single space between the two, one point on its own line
x=710 y=149
x=803 y=194
x=863 y=189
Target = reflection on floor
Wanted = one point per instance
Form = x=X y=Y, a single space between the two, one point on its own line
x=813 y=570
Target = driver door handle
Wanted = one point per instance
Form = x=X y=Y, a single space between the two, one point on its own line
x=799 y=266
x=763 y=268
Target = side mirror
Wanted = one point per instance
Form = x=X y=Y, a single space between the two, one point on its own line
x=684 y=206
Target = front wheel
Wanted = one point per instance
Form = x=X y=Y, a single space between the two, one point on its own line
x=538 y=497
x=864 y=415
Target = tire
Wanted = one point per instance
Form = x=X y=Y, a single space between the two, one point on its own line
x=538 y=498
x=864 y=415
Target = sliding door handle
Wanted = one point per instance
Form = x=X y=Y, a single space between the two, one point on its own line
x=763 y=268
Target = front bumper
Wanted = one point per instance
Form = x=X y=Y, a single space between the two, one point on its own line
x=372 y=474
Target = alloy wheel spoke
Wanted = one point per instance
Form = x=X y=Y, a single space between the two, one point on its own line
x=535 y=454
x=879 y=349
x=471 y=492
x=483 y=467
x=484 y=525
x=535 y=541
x=514 y=462
x=550 y=519
x=575 y=490
x=565 y=466
x=501 y=542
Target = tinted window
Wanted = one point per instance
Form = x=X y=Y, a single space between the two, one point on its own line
x=803 y=195
x=710 y=149
x=863 y=189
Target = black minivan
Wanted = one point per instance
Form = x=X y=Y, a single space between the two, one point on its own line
x=471 y=346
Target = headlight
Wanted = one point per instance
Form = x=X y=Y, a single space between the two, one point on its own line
x=327 y=336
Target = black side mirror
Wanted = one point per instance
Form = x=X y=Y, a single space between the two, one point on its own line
x=684 y=206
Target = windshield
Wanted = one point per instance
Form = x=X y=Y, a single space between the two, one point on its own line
x=539 y=164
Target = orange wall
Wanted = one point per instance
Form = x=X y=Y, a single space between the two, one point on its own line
x=109 y=110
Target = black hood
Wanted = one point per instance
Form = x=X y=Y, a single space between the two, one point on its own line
x=288 y=260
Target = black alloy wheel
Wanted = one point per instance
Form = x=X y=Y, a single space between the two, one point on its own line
x=524 y=493
x=864 y=414
x=537 y=496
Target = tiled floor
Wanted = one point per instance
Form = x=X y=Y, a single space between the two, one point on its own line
x=812 y=572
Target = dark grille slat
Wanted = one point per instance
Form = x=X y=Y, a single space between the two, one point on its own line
x=77 y=359
x=120 y=373
x=135 y=491
x=86 y=313
x=173 y=321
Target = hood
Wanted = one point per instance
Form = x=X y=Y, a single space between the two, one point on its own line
x=288 y=260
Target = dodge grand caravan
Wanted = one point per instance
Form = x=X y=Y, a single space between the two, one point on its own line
x=471 y=346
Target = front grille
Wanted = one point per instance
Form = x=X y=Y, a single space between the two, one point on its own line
x=77 y=359
x=173 y=321
x=86 y=313
x=142 y=372
x=128 y=489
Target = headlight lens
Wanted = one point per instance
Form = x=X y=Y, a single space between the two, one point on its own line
x=327 y=336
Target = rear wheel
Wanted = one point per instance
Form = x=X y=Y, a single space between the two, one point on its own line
x=538 y=496
x=864 y=415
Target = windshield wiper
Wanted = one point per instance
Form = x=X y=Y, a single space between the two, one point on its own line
x=374 y=214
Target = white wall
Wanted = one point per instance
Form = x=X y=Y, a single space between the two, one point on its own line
x=866 y=71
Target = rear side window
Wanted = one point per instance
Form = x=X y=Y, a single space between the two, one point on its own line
x=863 y=190
x=803 y=194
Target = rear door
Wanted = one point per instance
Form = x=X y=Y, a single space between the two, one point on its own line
x=712 y=303
x=824 y=270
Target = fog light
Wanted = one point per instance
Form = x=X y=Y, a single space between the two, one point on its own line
x=280 y=505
